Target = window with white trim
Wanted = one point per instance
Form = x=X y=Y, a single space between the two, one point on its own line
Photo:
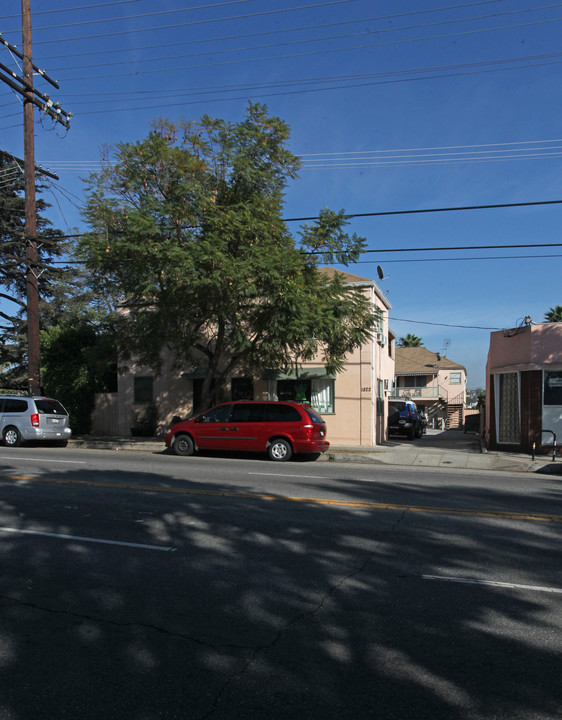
x=318 y=392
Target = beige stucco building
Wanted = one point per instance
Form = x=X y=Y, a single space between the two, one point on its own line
x=353 y=403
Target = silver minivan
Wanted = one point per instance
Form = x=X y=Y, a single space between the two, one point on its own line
x=24 y=418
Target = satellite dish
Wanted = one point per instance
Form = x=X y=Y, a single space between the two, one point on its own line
x=380 y=272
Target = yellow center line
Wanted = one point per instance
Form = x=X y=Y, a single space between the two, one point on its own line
x=500 y=514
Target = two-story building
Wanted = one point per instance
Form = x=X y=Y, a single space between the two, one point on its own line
x=353 y=403
x=435 y=383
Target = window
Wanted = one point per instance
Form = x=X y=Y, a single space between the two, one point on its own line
x=322 y=395
x=380 y=397
x=414 y=381
x=247 y=412
x=294 y=390
x=144 y=389
x=49 y=407
x=455 y=378
x=553 y=388
x=282 y=413
x=318 y=392
x=15 y=406
x=507 y=408
x=218 y=414
x=242 y=388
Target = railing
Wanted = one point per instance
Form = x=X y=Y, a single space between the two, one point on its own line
x=427 y=393
x=539 y=433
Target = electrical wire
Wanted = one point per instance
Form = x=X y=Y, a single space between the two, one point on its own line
x=339 y=23
x=423 y=322
x=434 y=210
x=246 y=97
x=286 y=43
x=80 y=7
x=230 y=18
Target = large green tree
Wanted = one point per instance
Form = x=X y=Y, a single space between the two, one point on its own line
x=79 y=360
x=187 y=224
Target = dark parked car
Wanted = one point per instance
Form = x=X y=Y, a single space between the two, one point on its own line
x=281 y=429
x=403 y=418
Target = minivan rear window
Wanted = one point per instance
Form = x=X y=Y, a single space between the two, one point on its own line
x=49 y=407
x=282 y=413
x=313 y=416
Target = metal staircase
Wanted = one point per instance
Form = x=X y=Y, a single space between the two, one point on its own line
x=455 y=413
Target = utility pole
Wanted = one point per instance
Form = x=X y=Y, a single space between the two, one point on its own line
x=32 y=283
x=31 y=97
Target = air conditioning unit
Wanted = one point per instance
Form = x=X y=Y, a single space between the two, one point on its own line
x=381 y=338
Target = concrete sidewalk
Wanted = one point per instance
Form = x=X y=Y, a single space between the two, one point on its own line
x=437 y=448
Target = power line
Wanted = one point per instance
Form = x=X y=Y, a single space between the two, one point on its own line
x=150 y=14
x=455 y=259
x=433 y=210
x=423 y=322
x=286 y=42
x=85 y=165
x=284 y=31
x=230 y=18
x=80 y=7
x=292 y=56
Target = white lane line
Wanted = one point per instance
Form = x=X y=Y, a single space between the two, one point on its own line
x=87 y=539
x=471 y=581
x=30 y=459
x=301 y=477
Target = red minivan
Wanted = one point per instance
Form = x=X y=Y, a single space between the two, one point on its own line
x=281 y=429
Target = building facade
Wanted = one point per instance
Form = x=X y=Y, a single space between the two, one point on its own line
x=524 y=387
x=436 y=384
x=353 y=403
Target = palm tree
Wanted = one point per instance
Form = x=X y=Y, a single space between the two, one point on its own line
x=554 y=314
x=411 y=341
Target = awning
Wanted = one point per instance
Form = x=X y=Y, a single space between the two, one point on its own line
x=306 y=373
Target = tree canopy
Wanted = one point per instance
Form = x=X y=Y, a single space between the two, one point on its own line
x=554 y=314
x=410 y=340
x=186 y=224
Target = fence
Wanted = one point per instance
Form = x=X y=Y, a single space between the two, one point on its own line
x=105 y=418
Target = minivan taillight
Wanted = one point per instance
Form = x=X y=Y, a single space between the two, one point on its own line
x=308 y=429
x=35 y=420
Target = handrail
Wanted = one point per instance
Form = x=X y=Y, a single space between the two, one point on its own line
x=540 y=432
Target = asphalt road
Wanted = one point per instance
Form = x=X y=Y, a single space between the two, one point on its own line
x=146 y=586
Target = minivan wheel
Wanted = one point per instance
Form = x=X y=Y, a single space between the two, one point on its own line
x=12 y=437
x=183 y=445
x=280 y=450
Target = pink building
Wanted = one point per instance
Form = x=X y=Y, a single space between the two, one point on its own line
x=524 y=387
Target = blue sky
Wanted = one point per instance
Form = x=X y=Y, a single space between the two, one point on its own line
x=392 y=106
